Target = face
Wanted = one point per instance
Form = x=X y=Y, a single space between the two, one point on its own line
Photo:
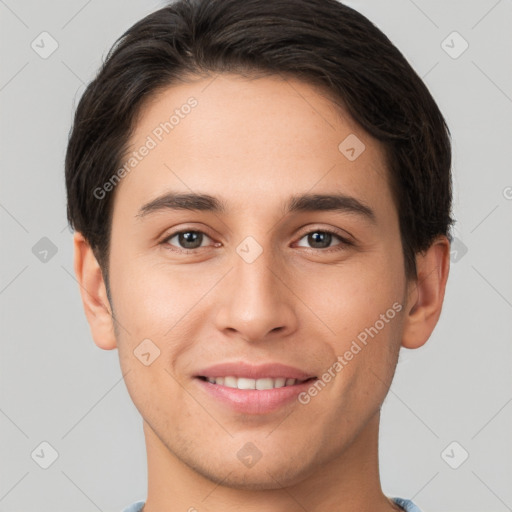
x=255 y=279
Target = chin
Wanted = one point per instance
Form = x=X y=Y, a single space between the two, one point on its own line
x=262 y=476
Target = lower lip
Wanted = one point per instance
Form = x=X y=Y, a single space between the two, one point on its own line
x=253 y=401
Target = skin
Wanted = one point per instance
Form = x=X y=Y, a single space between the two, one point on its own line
x=253 y=143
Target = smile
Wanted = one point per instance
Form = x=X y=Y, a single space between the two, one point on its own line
x=248 y=383
x=260 y=396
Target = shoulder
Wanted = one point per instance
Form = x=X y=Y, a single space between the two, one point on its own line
x=135 y=507
x=407 y=505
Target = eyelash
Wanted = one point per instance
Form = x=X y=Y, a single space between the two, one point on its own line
x=343 y=245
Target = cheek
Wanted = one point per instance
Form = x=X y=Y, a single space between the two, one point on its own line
x=154 y=310
x=351 y=297
x=150 y=298
x=162 y=303
x=360 y=308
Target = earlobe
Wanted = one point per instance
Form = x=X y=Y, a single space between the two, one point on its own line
x=426 y=293
x=94 y=294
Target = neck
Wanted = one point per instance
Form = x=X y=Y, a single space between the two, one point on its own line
x=347 y=483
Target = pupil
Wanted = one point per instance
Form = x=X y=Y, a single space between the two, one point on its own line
x=319 y=239
x=190 y=239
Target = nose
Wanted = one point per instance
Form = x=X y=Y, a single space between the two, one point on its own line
x=255 y=302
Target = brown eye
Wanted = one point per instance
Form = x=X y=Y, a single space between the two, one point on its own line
x=321 y=239
x=187 y=239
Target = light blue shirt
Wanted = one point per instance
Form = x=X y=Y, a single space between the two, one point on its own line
x=407 y=505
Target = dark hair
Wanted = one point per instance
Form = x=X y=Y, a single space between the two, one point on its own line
x=322 y=42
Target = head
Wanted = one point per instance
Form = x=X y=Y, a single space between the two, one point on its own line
x=307 y=168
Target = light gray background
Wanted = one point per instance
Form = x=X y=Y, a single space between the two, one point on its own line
x=58 y=387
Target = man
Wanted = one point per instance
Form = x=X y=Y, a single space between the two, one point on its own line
x=261 y=196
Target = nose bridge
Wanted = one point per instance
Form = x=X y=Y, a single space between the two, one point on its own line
x=254 y=272
x=256 y=302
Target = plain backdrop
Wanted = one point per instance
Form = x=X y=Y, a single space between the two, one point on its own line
x=447 y=421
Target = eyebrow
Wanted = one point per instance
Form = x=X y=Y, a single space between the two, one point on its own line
x=330 y=202
x=297 y=203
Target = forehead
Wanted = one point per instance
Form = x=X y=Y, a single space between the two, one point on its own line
x=251 y=142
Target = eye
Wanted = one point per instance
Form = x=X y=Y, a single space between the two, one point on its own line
x=322 y=239
x=188 y=239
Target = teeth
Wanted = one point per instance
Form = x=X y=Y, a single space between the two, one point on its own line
x=245 y=383
x=281 y=382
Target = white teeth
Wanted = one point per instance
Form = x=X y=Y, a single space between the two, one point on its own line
x=265 y=383
x=230 y=382
x=281 y=382
x=245 y=383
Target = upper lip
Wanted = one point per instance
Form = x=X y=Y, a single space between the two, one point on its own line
x=250 y=371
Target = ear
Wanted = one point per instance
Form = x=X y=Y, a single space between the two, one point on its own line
x=94 y=294
x=426 y=293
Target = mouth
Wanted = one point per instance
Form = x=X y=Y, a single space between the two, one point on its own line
x=247 y=383
x=243 y=387
x=257 y=397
